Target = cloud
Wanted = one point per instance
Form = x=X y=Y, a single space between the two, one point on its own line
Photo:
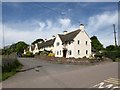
x=31 y=30
x=65 y=22
x=101 y=25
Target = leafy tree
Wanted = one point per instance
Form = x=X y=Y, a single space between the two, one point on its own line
x=37 y=40
x=17 y=47
x=96 y=43
x=110 y=48
x=20 y=46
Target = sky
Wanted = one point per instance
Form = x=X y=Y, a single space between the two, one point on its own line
x=28 y=21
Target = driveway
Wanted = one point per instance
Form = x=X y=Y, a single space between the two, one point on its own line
x=48 y=75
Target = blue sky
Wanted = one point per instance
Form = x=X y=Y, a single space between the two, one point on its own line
x=29 y=21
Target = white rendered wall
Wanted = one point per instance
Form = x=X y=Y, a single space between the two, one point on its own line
x=82 y=37
x=58 y=48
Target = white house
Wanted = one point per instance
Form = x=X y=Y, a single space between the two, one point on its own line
x=30 y=48
x=75 y=44
x=47 y=45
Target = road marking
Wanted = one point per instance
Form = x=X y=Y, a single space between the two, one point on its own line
x=112 y=83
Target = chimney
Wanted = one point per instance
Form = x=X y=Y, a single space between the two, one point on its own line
x=82 y=27
x=64 y=32
x=45 y=40
x=53 y=36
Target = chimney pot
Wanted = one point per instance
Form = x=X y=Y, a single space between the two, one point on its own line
x=82 y=27
x=64 y=32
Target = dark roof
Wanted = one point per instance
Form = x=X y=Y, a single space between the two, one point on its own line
x=46 y=44
x=69 y=36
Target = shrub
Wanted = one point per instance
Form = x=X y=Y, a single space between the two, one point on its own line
x=28 y=54
x=51 y=54
x=117 y=59
x=9 y=69
x=44 y=53
x=112 y=54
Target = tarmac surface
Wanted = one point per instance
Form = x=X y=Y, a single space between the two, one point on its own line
x=42 y=74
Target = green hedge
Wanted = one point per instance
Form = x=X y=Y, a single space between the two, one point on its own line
x=10 y=69
x=112 y=54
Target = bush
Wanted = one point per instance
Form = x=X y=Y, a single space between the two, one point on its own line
x=112 y=54
x=10 y=66
x=44 y=53
x=28 y=54
x=9 y=69
x=117 y=59
x=51 y=54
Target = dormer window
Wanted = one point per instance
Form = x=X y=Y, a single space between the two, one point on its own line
x=57 y=43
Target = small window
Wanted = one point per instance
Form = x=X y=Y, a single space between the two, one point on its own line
x=86 y=51
x=70 y=52
x=69 y=42
x=86 y=42
x=78 y=42
x=60 y=52
x=78 y=52
x=57 y=53
x=57 y=43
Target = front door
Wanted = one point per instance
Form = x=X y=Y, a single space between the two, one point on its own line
x=64 y=53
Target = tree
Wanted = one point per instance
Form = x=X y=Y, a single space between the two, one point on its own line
x=20 y=46
x=37 y=40
x=96 y=43
x=16 y=47
x=110 y=48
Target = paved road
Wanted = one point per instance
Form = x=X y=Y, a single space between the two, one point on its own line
x=62 y=76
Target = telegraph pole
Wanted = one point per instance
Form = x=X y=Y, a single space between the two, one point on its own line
x=115 y=35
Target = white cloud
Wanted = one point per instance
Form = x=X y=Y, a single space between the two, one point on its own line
x=65 y=22
x=29 y=31
x=102 y=26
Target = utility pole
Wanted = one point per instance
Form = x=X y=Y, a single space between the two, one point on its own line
x=115 y=35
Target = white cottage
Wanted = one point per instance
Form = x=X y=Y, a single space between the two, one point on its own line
x=30 y=48
x=75 y=44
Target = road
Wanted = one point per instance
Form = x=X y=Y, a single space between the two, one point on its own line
x=50 y=75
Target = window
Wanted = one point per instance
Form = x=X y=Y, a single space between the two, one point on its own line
x=78 y=42
x=70 y=52
x=78 y=52
x=57 y=43
x=69 y=42
x=86 y=42
x=57 y=53
x=86 y=51
x=60 y=52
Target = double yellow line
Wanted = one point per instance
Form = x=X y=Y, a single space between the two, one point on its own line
x=113 y=81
